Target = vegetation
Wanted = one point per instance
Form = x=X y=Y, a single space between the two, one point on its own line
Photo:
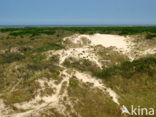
x=22 y=75
x=133 y=81
x=150 y=36
x=23 y=61
x=128 y=69
x=81 y=65
x=48 y=46
x=92 y=102
x=10 y=57
x=32 y=32
x=52 y=30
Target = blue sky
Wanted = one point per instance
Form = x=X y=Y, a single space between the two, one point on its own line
x=77 y=12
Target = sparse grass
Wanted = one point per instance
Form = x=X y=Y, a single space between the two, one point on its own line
x=108 y=56
x=92 y=102
x=81 y=64
x=47 y=91
x=20 y=70
x=26 y=74
x=134 y=82
x=24 y=92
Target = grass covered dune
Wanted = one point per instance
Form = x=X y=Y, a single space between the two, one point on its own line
x=60 y=70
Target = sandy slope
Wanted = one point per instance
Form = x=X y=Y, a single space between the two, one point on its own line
x=106 y=40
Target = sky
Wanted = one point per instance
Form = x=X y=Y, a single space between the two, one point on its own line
x=77 y=12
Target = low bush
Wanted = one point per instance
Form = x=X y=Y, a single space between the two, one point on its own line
x=32 y=33
x=73 y=83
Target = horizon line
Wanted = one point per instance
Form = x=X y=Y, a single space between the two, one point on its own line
x=75 y=25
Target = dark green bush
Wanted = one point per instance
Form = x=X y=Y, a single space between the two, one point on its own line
x=32 y=32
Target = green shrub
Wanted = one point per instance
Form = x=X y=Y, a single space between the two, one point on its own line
x=73 y=83
x=32 y=32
